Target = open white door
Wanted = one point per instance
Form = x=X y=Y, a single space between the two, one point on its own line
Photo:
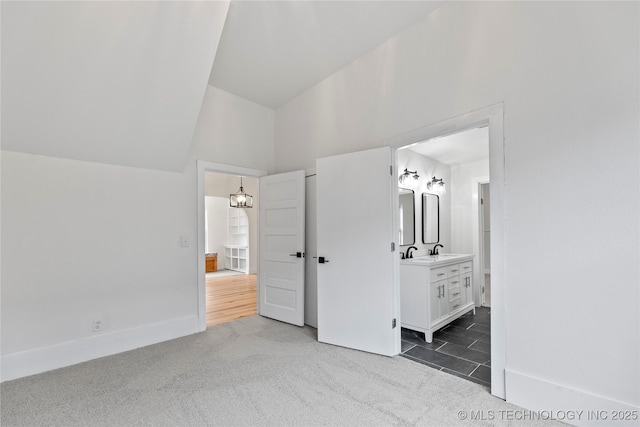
x=281 y=280
x=358 y=302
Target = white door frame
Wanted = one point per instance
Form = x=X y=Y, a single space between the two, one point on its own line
x=203 y=166
x=493 y=117
x=478 y=240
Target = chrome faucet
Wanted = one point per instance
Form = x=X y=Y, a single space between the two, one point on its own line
x=409 y=253
x=434 y=251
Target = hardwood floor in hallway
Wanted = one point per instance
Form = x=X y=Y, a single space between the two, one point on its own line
x=230 y=298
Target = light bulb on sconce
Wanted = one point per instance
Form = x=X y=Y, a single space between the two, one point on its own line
x=436 y=186
x=409 y=178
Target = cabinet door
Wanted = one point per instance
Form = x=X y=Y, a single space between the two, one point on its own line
x=439 y=306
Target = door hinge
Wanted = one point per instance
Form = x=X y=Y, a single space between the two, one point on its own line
x=482 y=201
x=393 y=324
x=393 y=246
x=483 y=289
x=391 y=170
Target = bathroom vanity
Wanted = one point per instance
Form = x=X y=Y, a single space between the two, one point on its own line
x=434 y=291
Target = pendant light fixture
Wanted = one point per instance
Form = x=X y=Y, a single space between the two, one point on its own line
x=436 y=186
x=240 y=199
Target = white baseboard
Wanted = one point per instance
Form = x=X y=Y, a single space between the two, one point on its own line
x=30 y=362
x=545 y=400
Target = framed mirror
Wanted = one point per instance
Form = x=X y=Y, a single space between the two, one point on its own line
x=430 y=218
x=407 y=216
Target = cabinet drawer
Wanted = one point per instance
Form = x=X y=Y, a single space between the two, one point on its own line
x=438 y=273
x=454 y=269
x=455 y=293
x=466 y=267
x=455 y=305
x=455 y=281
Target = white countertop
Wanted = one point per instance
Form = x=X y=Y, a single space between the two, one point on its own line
x=438 y=260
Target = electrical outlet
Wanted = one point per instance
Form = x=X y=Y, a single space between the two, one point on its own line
x=97 y=325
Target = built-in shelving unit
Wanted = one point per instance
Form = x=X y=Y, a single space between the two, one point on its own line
x=236 y=258
x=236 y=252
x=238 y=224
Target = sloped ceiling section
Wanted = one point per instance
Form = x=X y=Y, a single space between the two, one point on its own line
x=109 y=82
x=271 y=51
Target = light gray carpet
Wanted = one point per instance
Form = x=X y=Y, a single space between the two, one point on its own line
x=251 y=372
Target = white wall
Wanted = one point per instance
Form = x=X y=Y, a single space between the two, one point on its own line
x=225 y=120
x=465 y=216
x=217 y=226
x=86 y=240
x=464 y=204
x=427 y=168
x=110 y=82
x=568 y=76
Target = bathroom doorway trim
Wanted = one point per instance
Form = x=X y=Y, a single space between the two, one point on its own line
x=493 y=117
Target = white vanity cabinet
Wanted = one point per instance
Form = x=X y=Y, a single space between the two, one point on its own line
x=435 y=292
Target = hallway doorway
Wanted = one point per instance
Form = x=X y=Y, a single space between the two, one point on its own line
x=230 y=239
x=222 y=297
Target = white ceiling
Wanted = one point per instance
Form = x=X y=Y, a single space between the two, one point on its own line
x=469 y=146
x=272 y=51
x=123 y=82
x=109 y=82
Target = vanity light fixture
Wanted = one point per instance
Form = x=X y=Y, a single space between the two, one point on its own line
x=240 y=199
x=409 y=178
x=436 y=186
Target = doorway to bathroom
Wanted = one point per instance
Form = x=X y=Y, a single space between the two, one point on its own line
x=445 y=172
x=463 y=203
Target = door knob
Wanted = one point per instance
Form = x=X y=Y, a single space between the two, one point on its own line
x=322 y=260
x=298 y=254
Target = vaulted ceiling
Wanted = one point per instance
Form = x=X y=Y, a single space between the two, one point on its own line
x=110 y=82
x=123 y=82
x=271 y=51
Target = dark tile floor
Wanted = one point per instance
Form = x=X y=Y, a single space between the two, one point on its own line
x=462 y=348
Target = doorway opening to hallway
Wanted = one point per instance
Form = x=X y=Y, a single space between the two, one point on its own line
x=230 y=249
